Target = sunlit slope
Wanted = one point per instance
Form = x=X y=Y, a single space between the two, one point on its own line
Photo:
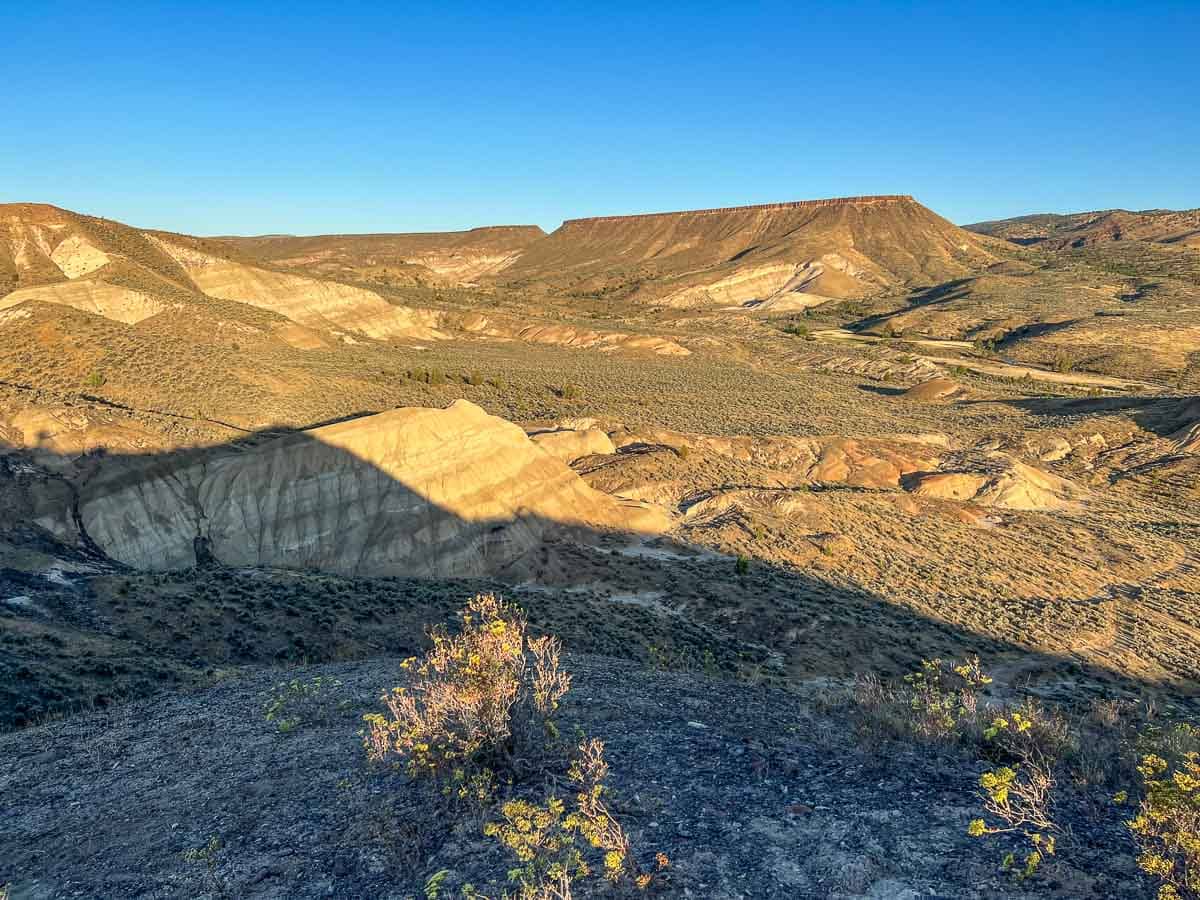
x=850 y=247
x=453 y=257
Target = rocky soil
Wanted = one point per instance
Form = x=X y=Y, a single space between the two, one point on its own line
x=746 y=789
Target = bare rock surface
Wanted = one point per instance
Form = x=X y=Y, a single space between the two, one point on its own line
x=430 y=492
x=571 y=445
x=309 y=301
x=748 y=793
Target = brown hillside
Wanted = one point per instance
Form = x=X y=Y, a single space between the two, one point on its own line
x=1176 y=227
x=803 y=252
x=454 y=256
x=42 y=244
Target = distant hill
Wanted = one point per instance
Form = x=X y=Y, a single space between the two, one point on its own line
x=1057 y=231
x=786 y=254
x=51 y=255
x=453 y=256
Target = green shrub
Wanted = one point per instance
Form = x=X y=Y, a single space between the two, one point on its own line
x=1063 y=362
x=291 y=704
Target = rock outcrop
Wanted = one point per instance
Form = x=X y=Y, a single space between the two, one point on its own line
x=934 y=391
x=998 y=479
x=411 y=492
x=571 y=445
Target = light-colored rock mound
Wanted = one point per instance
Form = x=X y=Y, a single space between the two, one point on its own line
x=1187 y=433
x=887 y=366
x=412 y=492
x=1002 y=481
x=753 y=283
x=1188 y=439
x=949 y=485
x=877 y=463
x=120 y=304
x=572 y=445
x=934 y=391
x=308 y=301
x=568 y=336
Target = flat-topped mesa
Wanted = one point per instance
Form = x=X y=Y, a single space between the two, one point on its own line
x=771 y=256
x=794 y=204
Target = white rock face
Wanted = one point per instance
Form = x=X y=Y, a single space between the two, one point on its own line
x=312 y=302
x=120 y=304
x=77 y=256
x=412 y=492
x=572 y=445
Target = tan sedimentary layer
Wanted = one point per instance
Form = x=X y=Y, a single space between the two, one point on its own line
x=411 y=492
x=308 y=301
x=112 y=301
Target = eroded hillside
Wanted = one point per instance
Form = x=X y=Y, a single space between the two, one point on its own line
x=436 y=257
x=787 y=254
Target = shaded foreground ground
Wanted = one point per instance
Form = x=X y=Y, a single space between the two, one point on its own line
x=748 y=792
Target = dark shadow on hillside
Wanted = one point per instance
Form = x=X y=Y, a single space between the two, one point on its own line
x=1037 y=329
x=1160 y=415
x=628 y=595
x=920 y=297
x=882 y=390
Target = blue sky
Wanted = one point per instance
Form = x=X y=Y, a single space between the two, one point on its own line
x=307 y=118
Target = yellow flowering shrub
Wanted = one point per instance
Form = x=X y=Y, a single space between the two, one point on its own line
x=940 y=695
x=480 y=702
x=1019 y=798
x=552 y=845
x=1167 y=824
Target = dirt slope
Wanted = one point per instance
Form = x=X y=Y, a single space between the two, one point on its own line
x=747 y=792
x=127 y=275
x=847 y=247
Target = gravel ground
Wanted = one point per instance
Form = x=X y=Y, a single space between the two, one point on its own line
x=748 y=794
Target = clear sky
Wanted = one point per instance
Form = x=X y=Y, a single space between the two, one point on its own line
x=222 y=117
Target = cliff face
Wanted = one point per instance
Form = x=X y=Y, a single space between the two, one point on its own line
x=847 y=247
x=412 y=492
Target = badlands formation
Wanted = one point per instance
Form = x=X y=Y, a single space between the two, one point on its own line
x=376 y=496
x=741 y=459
